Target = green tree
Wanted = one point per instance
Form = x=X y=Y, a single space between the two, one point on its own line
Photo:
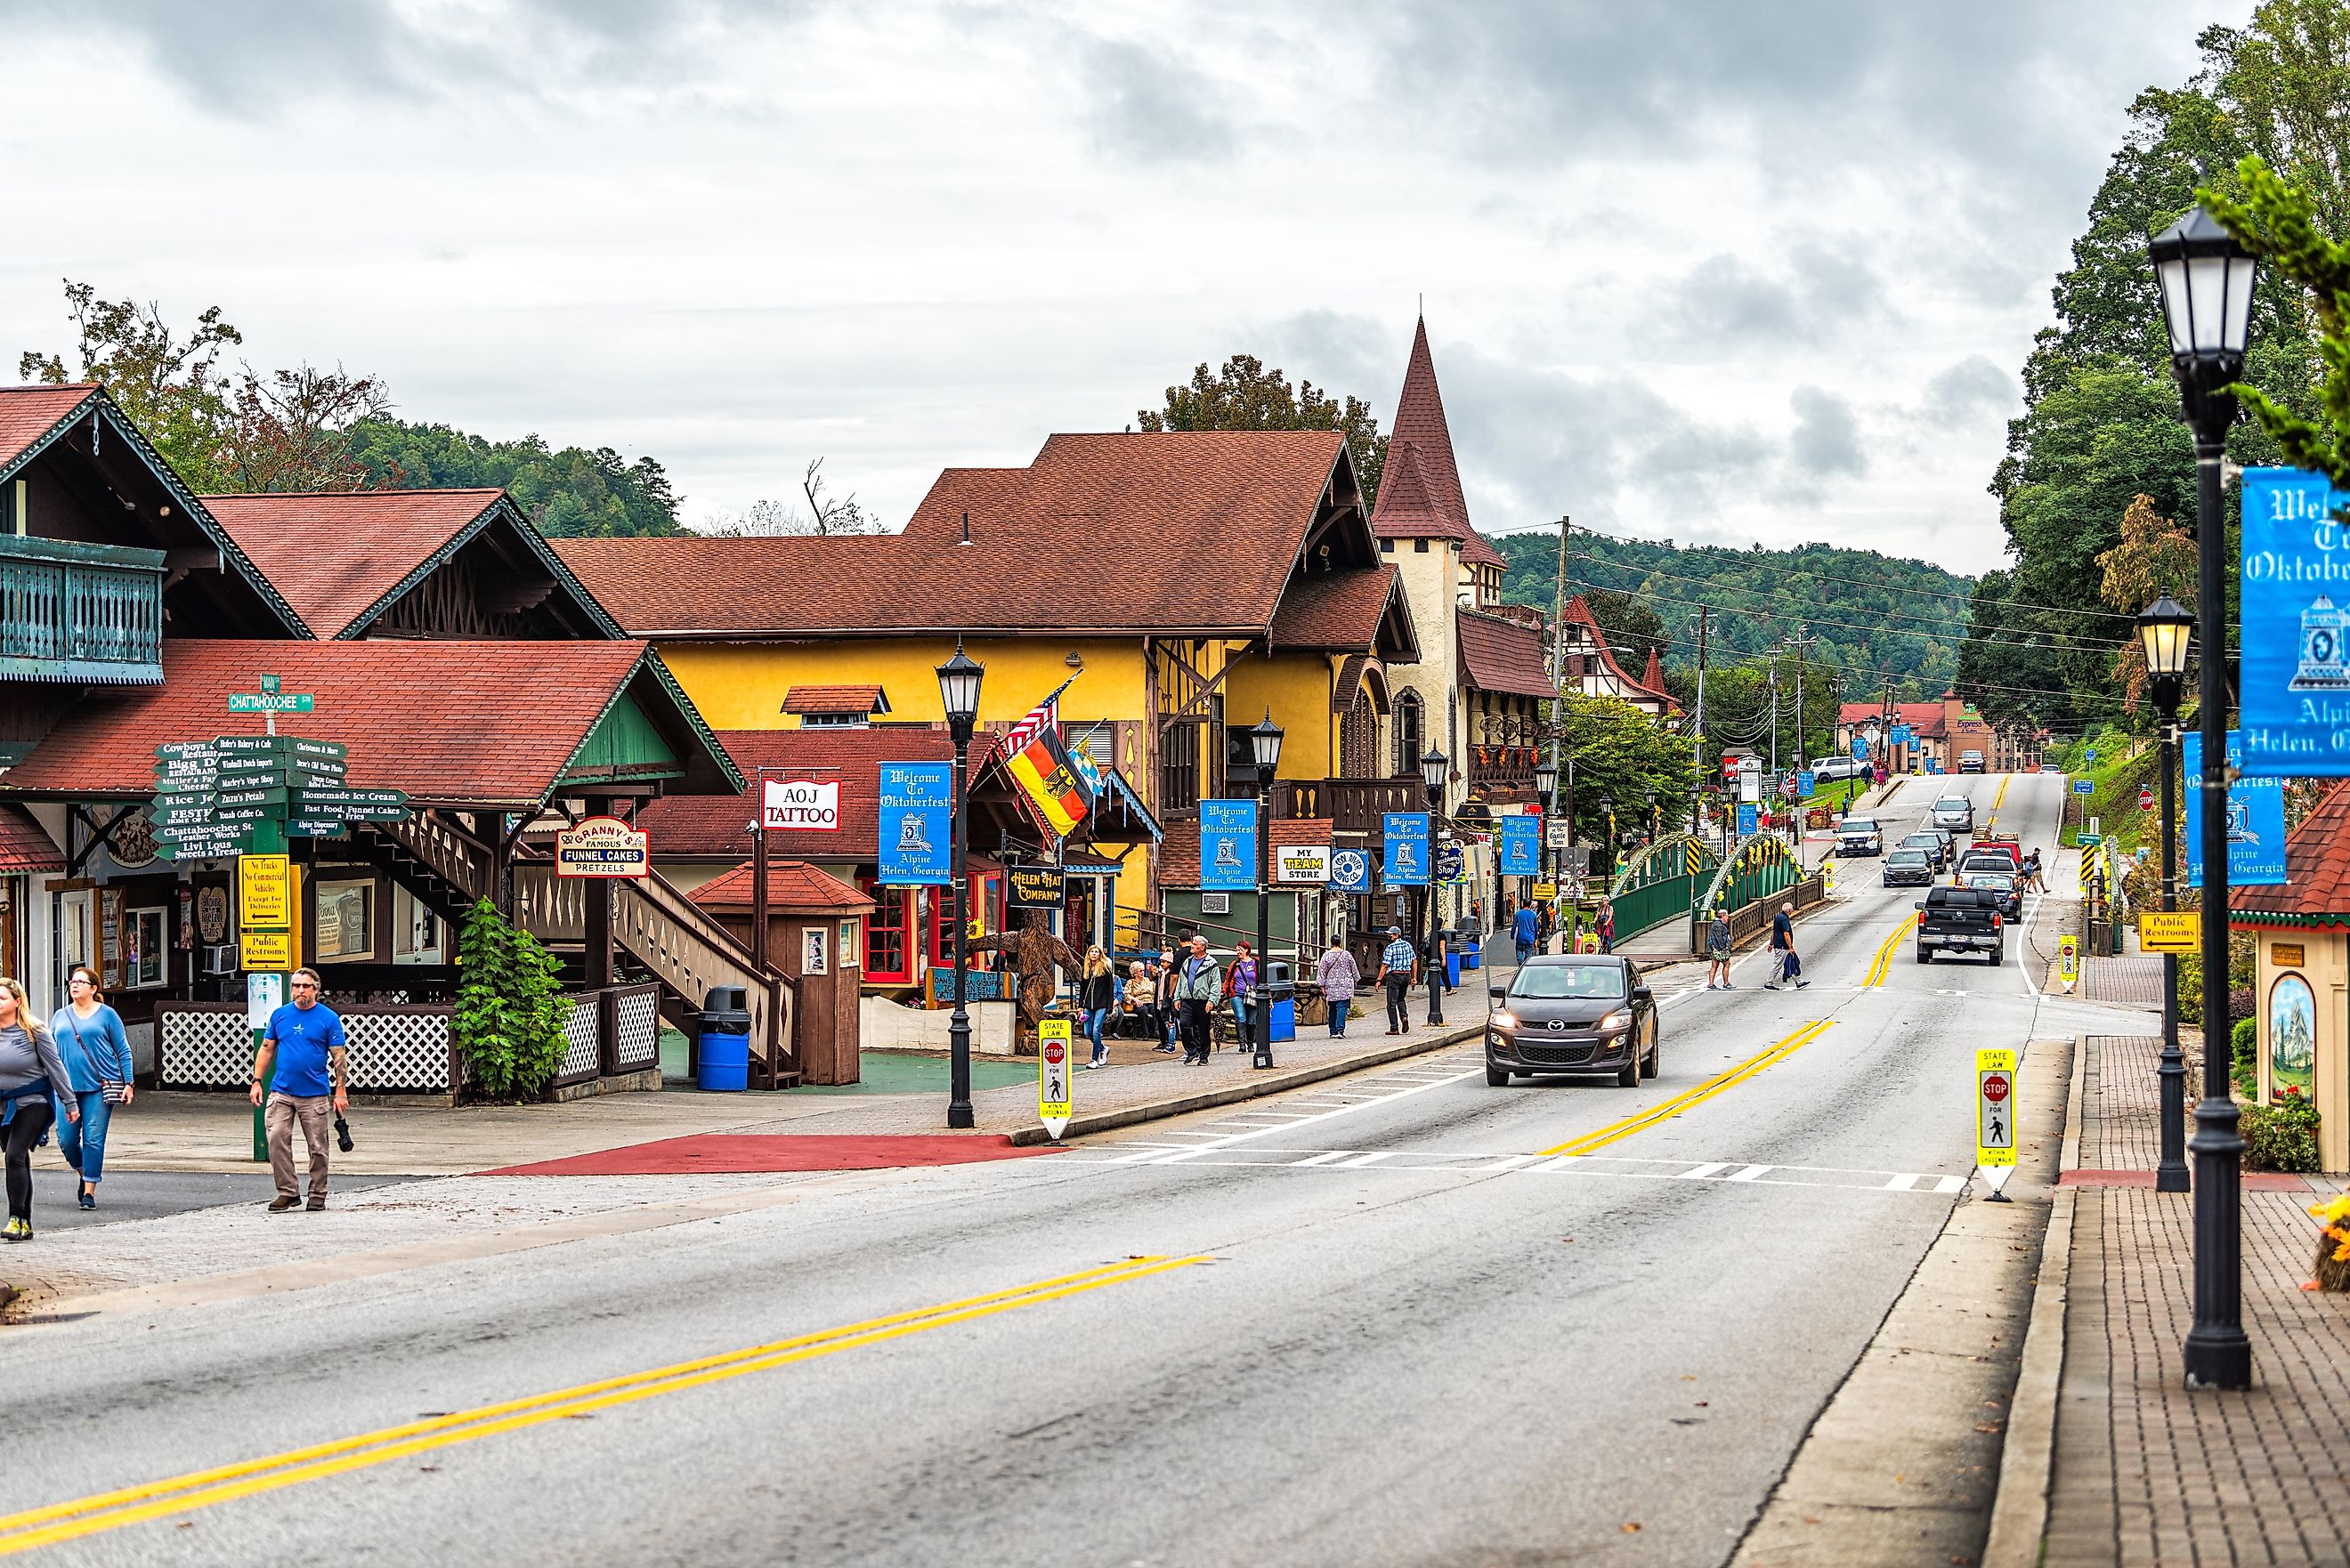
x=172 y=387
x=1245 y=396
x=1633 y=628
x=567 y=492
x=1620 y=756
x=508 y=1025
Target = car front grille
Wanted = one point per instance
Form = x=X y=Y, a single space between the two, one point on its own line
x=1555 y=1055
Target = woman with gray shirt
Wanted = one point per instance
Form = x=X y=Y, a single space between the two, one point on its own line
x=30 y=1067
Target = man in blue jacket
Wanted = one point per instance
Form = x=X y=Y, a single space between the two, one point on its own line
x=305 y=1040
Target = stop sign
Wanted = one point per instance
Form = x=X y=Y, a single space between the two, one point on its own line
x=1994 y=1087
x=1055 y=1053
x=2145 y=798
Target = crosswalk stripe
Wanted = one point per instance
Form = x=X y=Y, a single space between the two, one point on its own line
x=1701 y=1172
x=1752 y=1173
x=1361 y=1160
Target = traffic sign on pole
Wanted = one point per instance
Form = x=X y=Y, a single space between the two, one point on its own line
x=1054 y=1096
x=1995 y=1119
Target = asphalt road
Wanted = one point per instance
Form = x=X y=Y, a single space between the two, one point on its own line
x=1383 y=1326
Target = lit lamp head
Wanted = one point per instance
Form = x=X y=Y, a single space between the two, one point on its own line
x=1545 y=775
x=958 y=680
x=2207 y=282
x=2164 y=630
x=1433 y=769
x=1265 y=742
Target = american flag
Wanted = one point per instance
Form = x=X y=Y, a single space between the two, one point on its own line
x=1044 y=715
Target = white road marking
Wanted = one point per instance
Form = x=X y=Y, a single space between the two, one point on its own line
x=1361 y=1160
x=1904 y=1181
x=1752 y=1173
x=1457 y=1162
x=1335 y=1155
x=1951 y=1184
x=1700 y=1172
x=1244 y=1131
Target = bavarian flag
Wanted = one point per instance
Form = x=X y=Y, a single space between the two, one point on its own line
x=1060 y=794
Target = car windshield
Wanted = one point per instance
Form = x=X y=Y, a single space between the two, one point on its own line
x=1906 y=857
x=1950 y=806
x=1550 y=981
x=1924 y=840
x=1988 y=880
x=1858 y=825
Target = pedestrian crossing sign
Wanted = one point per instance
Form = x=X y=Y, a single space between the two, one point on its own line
x=1054 y=1096
x=1994 y=1116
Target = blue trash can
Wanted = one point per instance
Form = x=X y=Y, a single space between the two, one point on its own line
x=1283 y=1014
x=1472 y=959
x=1281 y=1000
x=1452 y=967
x=722 y=1047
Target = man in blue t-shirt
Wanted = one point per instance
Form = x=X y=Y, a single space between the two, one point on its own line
x=305 y=1041
x=1525 y=929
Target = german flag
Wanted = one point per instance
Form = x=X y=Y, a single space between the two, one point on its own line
x=1061 y=795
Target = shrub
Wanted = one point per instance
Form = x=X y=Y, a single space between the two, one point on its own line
x=2281 y=1136
x=509 y=1023
x=2245 y=1068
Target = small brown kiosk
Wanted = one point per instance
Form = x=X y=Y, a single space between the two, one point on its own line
x=813 y=926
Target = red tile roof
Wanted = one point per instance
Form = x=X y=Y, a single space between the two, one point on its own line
x=29 y=413
x=1501 y=654
x=718 y=827
x=1344 y=611
x=24 y=844
x=1419 y=488
x=2317 y=888
x=792 y=885
x=1925 y=718
x=1188 y=531
x=335 y=556
x=473 y=723
x=859 y=700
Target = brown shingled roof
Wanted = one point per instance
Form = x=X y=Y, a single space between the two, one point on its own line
x=2316 y=888
x=1201 y=529
x=1502 y=655
x=29 y=413
x=1344 y=612
x=859 y=700
x=24 y=844
x=1419 y=489
x=335 y=556
x=791 y=884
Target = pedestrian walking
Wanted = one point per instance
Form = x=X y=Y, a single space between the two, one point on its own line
x=2032 y=873
x=1787 y=963
x=1097 y=996
x=1196 y=987
x=1337 y=974
x=1717 y=953
x=1171 y=1013
x=1398 y=966
x=96 y=1056
x=1240 y=990
x=303 y=1042
x=29 y=1069
x=1525 y=931
x=1606 y=926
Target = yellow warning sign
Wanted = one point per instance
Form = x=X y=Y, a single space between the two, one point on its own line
x=2068 y=959
x=1545 y=890
x=264 y=896
x=268 y=951
x=2171 y=932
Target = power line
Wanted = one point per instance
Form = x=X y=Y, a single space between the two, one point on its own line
x=1888 y=630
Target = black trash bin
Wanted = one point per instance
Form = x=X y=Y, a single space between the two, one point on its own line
x=723 y=1049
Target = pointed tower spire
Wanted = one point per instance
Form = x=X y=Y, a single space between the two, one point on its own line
x=1419 y=490
x=1653 y=678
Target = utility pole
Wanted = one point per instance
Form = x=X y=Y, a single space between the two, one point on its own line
x=1774 y=654
x=1696 y=801
x=1557 y=674
x=1803 y=742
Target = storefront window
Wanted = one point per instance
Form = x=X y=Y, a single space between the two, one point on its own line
x=888 y=952
x=146 y=961
x=345 y=920
x=416 y=930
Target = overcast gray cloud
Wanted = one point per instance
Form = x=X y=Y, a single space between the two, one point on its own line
x=1684 y=265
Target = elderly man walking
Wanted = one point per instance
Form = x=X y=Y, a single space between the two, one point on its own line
x=305 y=1040
x=1197 y=989
x=1398 y=964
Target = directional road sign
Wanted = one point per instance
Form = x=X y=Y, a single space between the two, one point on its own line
x=2085 y=786
x=1054 y=1094
x=1995 y=1118
x=270 y=702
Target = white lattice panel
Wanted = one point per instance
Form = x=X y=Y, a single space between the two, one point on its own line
x=636 y=1018
x=397 y=1051
x=582 y=1037
x=204 y=1050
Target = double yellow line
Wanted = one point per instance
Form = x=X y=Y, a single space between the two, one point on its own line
x=203 y=1489
x=1990 y=823
x=1667 y=1109
x=1880 y=966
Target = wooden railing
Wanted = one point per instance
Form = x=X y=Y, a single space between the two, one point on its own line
x=1506 y=767
x=691 y=954
x=78 y=612
x=1354 y=805
x=445 y=852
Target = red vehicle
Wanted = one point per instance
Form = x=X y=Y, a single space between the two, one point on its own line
x=2007 y=846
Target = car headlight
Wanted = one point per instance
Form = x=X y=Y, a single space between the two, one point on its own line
x=1615 y=1021
x=1502 y=1018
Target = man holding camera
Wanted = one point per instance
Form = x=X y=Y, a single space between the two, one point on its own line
x=305 y=1039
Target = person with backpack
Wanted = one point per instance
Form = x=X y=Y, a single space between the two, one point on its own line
x=1717 y=953
x=1525 y=931
x=96 y=1056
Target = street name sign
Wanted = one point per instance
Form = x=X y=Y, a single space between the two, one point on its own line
x=1995 y=1118
x=2169 y=932
x=270 y=702
x=1055 y=1098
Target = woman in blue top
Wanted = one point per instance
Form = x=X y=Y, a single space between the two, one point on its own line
x=96 y=1052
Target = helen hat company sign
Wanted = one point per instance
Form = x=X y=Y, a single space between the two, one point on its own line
x=2294 y=678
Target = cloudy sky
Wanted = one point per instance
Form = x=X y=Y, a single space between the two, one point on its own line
x=1709 y=270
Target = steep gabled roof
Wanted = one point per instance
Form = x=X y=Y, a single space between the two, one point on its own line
x=1501 y=654
x=1579 y=611
x=343 y=559
x=459 y=723
x=25 y=845
x=1172 y=532
x=2316 y=887
x=1419 y=489
x=858 y=702
x=1348 y=612
x=30 y=416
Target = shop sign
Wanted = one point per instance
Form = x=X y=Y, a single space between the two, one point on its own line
x=916 y=807
x=1351 y=871
x=1228 y=845
x=264 y=894
x=602 y=847
x=799 y=805
x=1521 y=846
x=1034 y=888
x=1308 y=864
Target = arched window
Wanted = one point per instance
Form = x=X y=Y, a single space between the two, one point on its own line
x=1411 y=736
x=1359 y=739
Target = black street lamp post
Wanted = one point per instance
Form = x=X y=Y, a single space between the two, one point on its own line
x=1434 y=769
x=2164 y=629
x=2207 y=282
x=1546 y=791
x=1265 y=741
x=958 y=680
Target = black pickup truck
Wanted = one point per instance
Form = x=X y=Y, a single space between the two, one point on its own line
x=1960 y=920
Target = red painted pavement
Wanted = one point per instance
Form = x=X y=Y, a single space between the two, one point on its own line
x=738 y=1153
x=2253 y=1180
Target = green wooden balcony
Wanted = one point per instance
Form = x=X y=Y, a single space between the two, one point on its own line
x=80 y=613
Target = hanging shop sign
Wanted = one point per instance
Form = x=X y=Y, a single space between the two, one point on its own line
x=1407 y=850
x=602 y=847
x=1034 y=888
x=799 y=805
x=1228 y=845
x=1521 y=846
x=2294 y=684
x=1301 y=863
x=2255 y=819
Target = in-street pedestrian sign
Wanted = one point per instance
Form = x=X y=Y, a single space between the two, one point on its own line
x=1995 y=1119
x=1054 y=1096
x=2068 y=959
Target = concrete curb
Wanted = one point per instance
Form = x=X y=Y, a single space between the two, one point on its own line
x=1249 y=1089
x=2027 y=1459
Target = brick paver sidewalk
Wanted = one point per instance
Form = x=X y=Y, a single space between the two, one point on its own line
x=2146 y=1472
x=2135 y=980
